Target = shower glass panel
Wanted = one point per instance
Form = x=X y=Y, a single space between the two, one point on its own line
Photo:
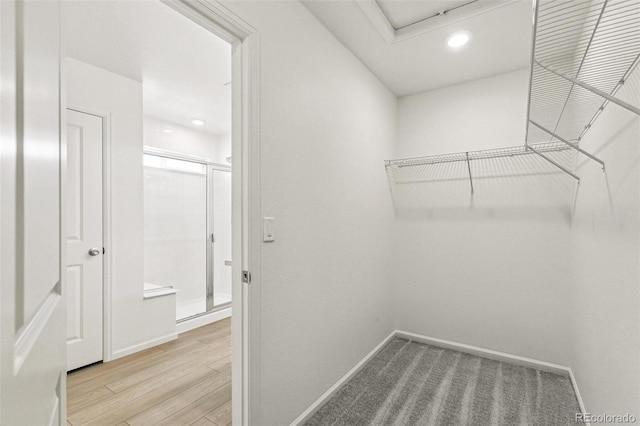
x=221 y=220
x=175 y=230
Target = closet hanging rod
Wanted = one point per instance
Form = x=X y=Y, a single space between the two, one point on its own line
x=477 y=155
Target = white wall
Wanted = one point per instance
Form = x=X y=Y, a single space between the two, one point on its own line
x=605 y=248
x=326 y=126
x=490 y=269
x=486 y=113
x=186 y=140
x=134 y=320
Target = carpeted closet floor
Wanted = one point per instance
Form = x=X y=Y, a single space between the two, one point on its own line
x=411 y=383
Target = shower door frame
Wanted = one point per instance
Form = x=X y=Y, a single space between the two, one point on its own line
x=211 y=240
x=209 y=166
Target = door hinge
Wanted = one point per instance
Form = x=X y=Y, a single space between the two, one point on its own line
x=213 y=238
x=103 y=250
x=246 y=277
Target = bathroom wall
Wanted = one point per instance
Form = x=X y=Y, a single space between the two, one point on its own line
x=174 y=137
x=489 y=269
x=135 y=322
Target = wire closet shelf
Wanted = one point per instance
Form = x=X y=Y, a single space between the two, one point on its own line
x=413 y=169
x=582 y=54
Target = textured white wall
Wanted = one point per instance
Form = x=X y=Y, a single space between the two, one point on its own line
x=186 y=140
x=327 y=124
x=605 y=254
x=489 y=270
x=133 y=320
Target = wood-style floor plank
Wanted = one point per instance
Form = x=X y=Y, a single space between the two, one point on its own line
x=168 y=408
x=198 y=408
x=174 y=383
x=203 y=421
x=87 y=399
x=221 y=416
x=165 y=369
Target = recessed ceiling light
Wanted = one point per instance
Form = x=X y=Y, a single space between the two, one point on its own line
x=198 y=122
x=167 y=130
x=458 y=39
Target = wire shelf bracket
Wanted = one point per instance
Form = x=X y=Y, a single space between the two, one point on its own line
x=564 y=169
x=469 y=168
x=566 y=142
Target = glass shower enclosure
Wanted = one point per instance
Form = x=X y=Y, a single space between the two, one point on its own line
x=187 y=231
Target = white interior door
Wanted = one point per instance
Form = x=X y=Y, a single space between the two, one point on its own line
x=84 y=239
x=33 y=351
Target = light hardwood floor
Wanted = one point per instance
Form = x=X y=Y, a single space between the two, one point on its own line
x=183 y=382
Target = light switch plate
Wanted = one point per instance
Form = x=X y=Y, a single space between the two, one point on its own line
x=268 y=229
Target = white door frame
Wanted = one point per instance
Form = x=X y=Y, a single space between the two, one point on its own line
x=107 y=354
x=246 y=220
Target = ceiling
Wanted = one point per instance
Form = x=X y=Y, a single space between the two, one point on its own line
x=404 y=45
x=404 y=13
x=184 y=68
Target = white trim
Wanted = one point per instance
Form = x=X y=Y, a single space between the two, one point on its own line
x=144 y=345
x=30 y=332
x=306 y=414
x=107 y=347
x=383 y=25
x=379 y=20
x=486 y=353
x=245 y=87
x=199 y=321
x=62 y=383
x=252 y=237
x=448 y=344
x=574 y=383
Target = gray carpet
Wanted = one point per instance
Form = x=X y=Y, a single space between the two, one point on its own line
x=410 y=383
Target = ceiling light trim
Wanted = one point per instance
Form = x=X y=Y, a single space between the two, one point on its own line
x=383 y=25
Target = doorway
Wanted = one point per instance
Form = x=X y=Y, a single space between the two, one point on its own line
x=33 y=38
x=128 y=88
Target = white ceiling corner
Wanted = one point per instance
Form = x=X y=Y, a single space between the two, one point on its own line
x=403 y=43
x=398 y=20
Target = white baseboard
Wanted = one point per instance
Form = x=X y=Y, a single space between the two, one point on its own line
x=461 y=347
x=306 y=414
x=144 y=345
x=487 y=353
x=574 y=383
x=209 y=318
